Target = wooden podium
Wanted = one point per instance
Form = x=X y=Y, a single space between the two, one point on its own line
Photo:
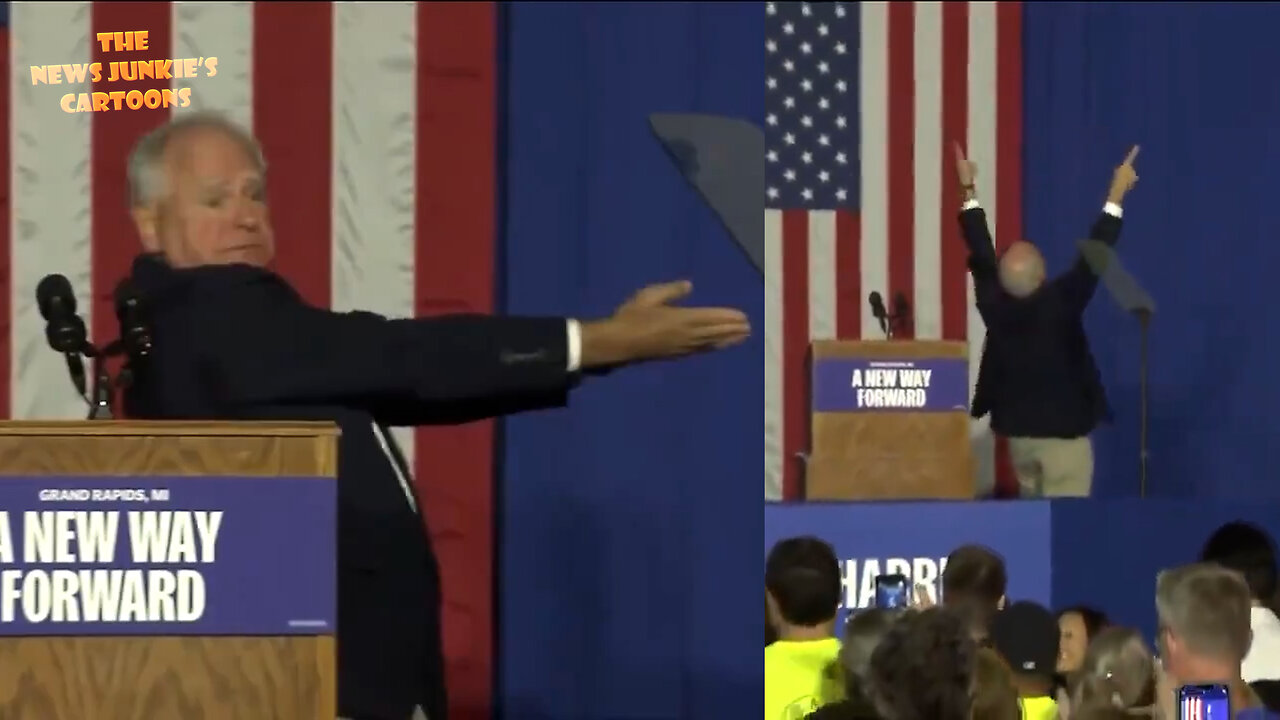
x=894 y=450
x=66 y=675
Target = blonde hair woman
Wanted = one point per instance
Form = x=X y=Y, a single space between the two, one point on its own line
x=1118 y=672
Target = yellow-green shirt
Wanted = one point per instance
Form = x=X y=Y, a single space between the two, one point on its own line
x=1039 y=708
x=795 y=677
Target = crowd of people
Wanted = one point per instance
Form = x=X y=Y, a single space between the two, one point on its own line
x=972 y=654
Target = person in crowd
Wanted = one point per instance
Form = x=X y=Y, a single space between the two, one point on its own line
x=994 y=695
x=1249 y=550
x=973 y=584
x=923 y=669
x=1038 y=379
x=802 y=597
x=770 y=634
x=1026 y=636
x=235 y=341
x=1203 y=617
x=1076 y=627
x=1117 y=671
x=862 y=634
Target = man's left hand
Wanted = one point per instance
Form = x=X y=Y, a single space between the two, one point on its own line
x=649 y=327
x=1124 y=178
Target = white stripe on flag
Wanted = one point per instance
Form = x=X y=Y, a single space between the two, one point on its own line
x=223 y=30
x=982 y=151
x=773 y=365
x=822 y=275
x=50 y=211
x=374 y=116
x=873 y=88
x=928 y=180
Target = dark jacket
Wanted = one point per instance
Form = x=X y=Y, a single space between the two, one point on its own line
x=238 y=343
x=1038 y=377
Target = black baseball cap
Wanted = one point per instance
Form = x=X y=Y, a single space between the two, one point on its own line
x=1026 y=635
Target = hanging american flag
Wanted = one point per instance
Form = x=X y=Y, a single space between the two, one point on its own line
x=863 y=101
x=377 y=123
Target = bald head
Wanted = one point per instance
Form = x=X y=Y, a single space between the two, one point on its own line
x=1021 y=269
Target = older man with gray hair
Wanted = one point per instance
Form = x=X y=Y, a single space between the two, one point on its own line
x=234 y=341
x=1038 y=379
x=1203 y=612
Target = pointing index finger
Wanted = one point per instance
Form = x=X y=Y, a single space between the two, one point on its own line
x=1133 y=154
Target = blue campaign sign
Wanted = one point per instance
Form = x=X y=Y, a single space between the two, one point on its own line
x=914 y=538
x=167 y=555
x=844 y=384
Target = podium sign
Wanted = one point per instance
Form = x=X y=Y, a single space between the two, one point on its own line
x=103 y=555
x=859 y=384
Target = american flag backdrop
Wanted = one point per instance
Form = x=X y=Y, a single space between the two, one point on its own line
x=377 y=122
x=863 y=102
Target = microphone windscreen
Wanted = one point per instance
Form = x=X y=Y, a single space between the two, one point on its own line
x=55 y=289
x=877 y=303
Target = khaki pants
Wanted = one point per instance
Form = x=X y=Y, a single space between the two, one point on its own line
x=418 y=714
x=1053 y=467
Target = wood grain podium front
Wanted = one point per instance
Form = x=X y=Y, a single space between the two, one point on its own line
x=172 y=676
x=887 y=440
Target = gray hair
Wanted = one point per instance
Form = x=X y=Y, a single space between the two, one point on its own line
x=146 y=161
x=1207 y=606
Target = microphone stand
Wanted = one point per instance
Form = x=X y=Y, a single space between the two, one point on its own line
x=1144 y=331
x=103 y=393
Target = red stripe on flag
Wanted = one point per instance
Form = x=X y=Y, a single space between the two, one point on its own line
x=292 y=110
x=455 y=226
x=955 y=123
x=6 y=214
x=795 y=348
x=901 y=154
x=848 y=275
x=113 y=243
x=1008 y=170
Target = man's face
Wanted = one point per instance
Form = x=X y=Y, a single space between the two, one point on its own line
x=213 y=206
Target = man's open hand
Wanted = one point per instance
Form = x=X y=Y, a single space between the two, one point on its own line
x=650 y=327
x=1124 y=179
x=966 y=171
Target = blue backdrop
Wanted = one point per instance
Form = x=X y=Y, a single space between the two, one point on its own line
x=1189 y=83
x=1103 y=553
x=631 y=522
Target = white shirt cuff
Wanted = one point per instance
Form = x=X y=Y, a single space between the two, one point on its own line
x=1113 y=210
x=969 y=205
x=575 y=345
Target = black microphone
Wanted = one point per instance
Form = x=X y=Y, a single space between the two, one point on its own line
x=64 y=329
x=878 y=311
x=135 y=324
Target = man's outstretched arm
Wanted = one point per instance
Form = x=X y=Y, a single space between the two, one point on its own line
x=976 y=232
x=1078 y=284
x=264 y=351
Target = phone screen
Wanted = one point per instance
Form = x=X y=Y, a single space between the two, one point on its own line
x=1204 y=702
x=891 y=592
